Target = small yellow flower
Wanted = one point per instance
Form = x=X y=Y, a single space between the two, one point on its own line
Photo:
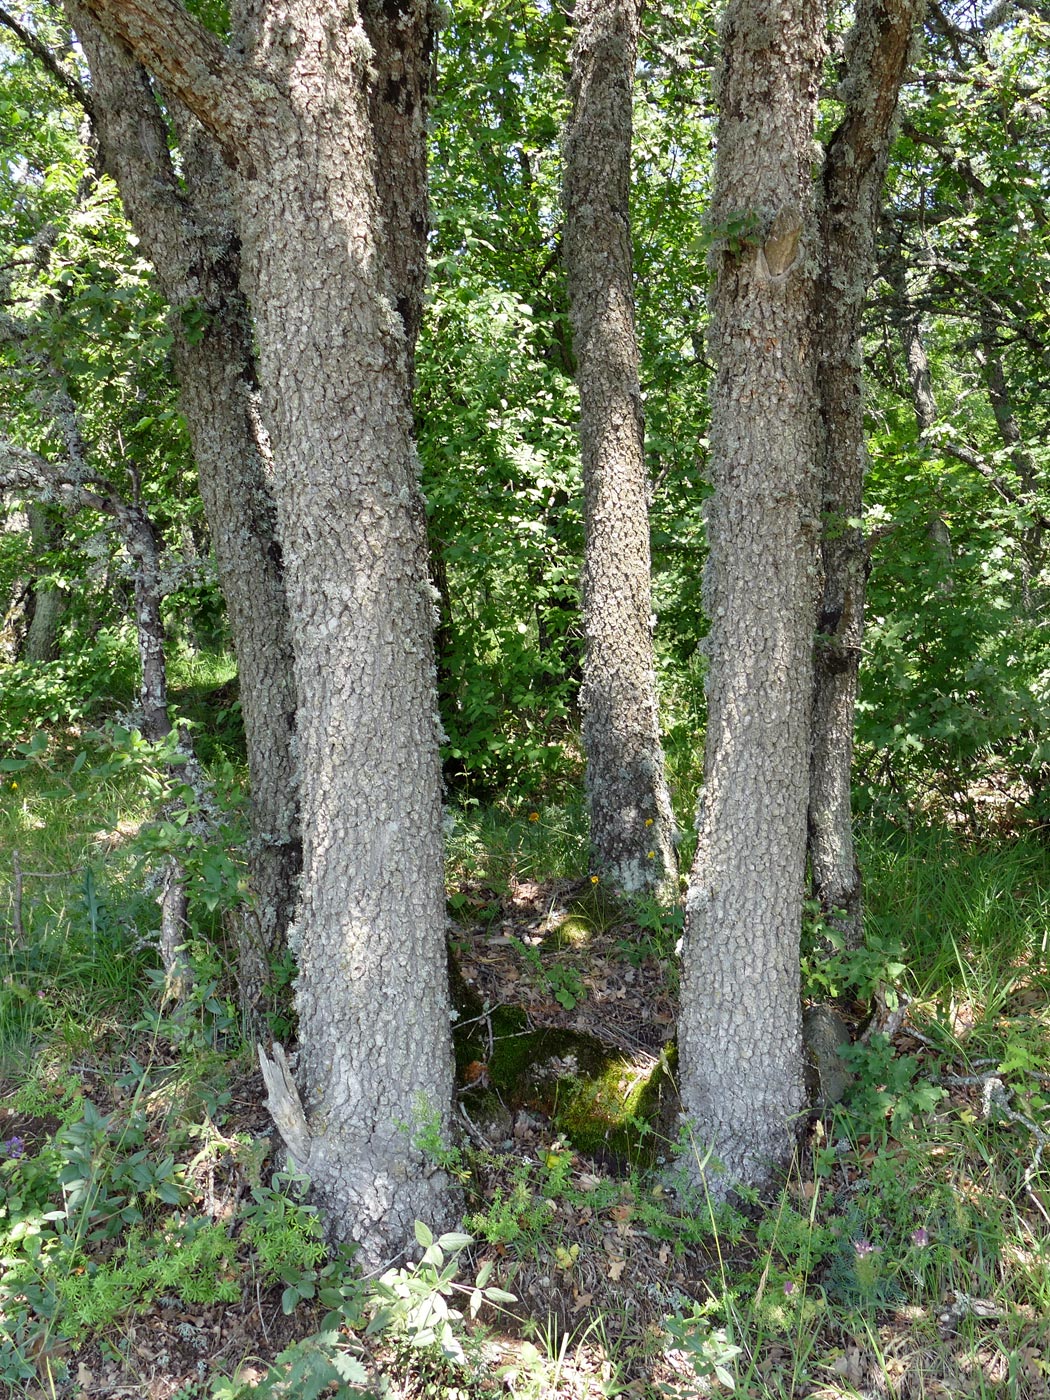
x=534 y=816
x=650 y=855
x=13 y=786
x=648 y=821
x=594 y=879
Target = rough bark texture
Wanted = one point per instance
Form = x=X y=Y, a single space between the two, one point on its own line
x=740 y=1044
x=189 y=236
x=401 y=33
x=851 y=183
x=631 y=822
x=48 y=601
x=993 y=371
x=372 y=991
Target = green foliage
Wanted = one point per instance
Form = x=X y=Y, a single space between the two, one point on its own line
x=286 y=1236
x=79 y=1243
x=413 y=1302
x=318 y=1365
x=564 y=983
x=830 y=969
x=711 y=1351
x=887 y=1086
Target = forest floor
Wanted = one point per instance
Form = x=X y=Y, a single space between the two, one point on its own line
x=146 y=1250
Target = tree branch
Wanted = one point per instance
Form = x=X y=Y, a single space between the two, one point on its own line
x=40 y=51
x=24 y=470
x=189 y=61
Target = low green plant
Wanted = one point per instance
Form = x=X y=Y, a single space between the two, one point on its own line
x=711 y=1351
x=660 y=929
x=320 y=1365
x=517 y=1215
x=564 y=982
x=412 y=1303
x=831 y=969
x=888 y=1090
x=287 y=1238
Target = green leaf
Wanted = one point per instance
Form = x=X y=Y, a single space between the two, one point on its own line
x=453 y=1242
x=424 y=1235
x=349 y=1368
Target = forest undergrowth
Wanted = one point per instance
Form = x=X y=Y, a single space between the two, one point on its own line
x=151 y=1244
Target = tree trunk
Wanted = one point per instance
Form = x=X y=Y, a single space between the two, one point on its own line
x=189 y=236
x=290 y=107
x=401 y=33
x=740 y=1028
x=48 y=601
x=852 y=177
x=989 y=357
x=631 y=822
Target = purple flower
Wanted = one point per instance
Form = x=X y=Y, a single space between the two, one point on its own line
x=864 y=1248
x=920 y=1239
x=13 y=1147
x=789 y=1288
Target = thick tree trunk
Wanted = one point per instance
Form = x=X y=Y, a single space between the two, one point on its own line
x=740 y=1043
x=631 y=822
x=191 y=240
x=290 y=107
x=852 y=178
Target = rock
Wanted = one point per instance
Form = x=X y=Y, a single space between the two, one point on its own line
x=824 y=1036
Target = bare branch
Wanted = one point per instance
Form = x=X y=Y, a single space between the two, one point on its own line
x=24 y=470
x=40 y=51
x=285 y=1105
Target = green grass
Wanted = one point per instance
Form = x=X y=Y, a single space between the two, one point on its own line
x=493 y=846
x=68 y=950
x=948 y=1191
x=965 y=912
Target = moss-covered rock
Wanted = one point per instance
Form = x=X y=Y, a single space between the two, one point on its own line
x=605 y=1102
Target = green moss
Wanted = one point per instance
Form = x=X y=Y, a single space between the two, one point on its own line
x=592 y=912
x=601 y=1100
x=619 y=1109
x=574 y=931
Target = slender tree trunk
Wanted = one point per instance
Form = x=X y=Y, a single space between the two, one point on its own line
x=908 y=321
x=740 y=1028
x=631 y=822
x=141 y=542
x=993 y=372
x=401 y=33
x=290 y=106
x=853 y=172
x=190 y=237
x=48 y=600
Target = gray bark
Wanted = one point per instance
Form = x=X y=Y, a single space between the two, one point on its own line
x=290 y=109
x=48 y=603
x=75 y=487
x=401 y=34
x=740 y=1044
x=993 y=371
x=851 y=183
x=631 y=821
x=190 y=237
x=908 y=321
